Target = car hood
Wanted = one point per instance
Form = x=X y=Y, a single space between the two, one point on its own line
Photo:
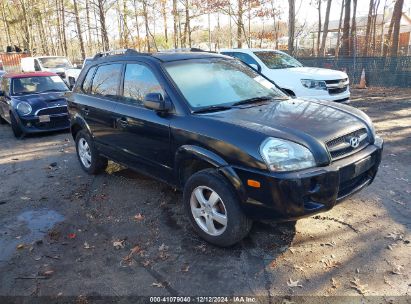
x=309 y=123
x=43 y=100
x=299 y=73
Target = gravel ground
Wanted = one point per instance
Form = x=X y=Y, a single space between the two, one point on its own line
x=58 y=228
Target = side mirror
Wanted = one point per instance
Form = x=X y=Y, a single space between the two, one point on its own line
x=255 y=67
x=156 y=102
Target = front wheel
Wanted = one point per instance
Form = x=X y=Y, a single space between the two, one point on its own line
x=213 y=209
x=90 y=160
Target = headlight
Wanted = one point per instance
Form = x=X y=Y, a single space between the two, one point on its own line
x=314 y=84
x=284 y=155
x=24 y=108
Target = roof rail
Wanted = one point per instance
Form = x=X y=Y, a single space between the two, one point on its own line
x=116 y=52
x=183 y=50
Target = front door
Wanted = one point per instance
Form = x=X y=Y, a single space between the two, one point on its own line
x=142 y=134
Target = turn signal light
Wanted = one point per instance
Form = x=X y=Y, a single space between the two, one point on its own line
x=253 y=183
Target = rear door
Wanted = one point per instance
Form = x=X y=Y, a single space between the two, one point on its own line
x=97 y=100
x=5 y=99
x=142 y=134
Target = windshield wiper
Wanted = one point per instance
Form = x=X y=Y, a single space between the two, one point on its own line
x=51 y=90
x=252 y=100
x=212 y=109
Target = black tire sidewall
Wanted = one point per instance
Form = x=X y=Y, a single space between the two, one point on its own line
x=238 y=225
x=17 y=131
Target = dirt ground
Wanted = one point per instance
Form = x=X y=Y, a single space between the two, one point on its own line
x=58 y=228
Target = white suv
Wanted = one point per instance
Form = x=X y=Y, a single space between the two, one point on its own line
x=290 y=75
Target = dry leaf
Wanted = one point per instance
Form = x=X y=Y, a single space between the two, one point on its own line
x=397 y=269
x=158 y=285
x=87 y=246
x=395 y=236
x=356 y=284
x=146 y=263
x=299 y=267
x=292 y=283
x=135 y=249
x=185 y=268
x=139 y=217
x=20 y=246
x=334 y=283
x=119 y=244
x=163 y=247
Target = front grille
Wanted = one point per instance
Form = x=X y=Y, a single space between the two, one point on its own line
x=340 y=147
x=53 y=111
x=54 y=123
x=337 y=86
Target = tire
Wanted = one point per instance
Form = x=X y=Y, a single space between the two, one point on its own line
x=206 y=184
x=17 y=131
x=90 y=160
x=2 y=121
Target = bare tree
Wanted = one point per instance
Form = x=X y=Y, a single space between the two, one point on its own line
x=325 y=29
x=291 y=26
x=79 y=34
x=345 y=47
x=396 y=16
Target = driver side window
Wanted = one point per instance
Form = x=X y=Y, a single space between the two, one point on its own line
x=139 y=81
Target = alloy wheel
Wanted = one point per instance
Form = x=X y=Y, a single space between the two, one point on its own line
x=84 y=152
x=208 y=210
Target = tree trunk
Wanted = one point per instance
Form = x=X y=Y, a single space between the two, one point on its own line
x=368 y=29
x=103 y=27
x=175 y=24
x=337 y=48
x=63 y=28
x=353 y=34
x=345 y=46
x=325 y=30
x=80 y=36
x=89 y=40
x=137 y=25
x=291 y=26
x=396 y=15
x=164 y=13
x=145 y=15
x=319 y=27
x=239 y=23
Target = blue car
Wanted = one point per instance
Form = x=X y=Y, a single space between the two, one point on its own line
x=33 y=102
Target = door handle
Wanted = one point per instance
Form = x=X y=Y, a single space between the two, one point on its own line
x=122 y=122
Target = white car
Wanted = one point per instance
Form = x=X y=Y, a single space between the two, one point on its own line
x=294 y=78
x=73 y=73
x=55 y=64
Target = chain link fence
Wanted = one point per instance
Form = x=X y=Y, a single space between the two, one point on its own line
x=379 y=71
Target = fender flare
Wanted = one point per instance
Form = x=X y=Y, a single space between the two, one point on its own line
x=80 y=121
x=199 y=153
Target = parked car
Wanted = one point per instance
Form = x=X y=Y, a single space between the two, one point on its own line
x=239 y=148
x=73 y=73
x=294 y=78
x=55 y=64
x=33 y=102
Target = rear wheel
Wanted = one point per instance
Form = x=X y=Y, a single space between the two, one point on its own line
x=213 y=209
x=90 y=160
x=17 y=131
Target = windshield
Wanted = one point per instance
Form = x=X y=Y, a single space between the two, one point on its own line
x=38 y=84
x=55 y=62
x=277 y=60
x=219 y=82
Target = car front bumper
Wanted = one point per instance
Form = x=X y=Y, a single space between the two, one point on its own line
x=293 y=195
x=343 y=97
x=32 y=124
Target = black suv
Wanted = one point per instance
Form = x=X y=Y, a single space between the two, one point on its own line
x=238 y=147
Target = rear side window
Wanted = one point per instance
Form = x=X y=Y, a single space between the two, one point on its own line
x=106 y=81
x=87 y=81
x=139 y=80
